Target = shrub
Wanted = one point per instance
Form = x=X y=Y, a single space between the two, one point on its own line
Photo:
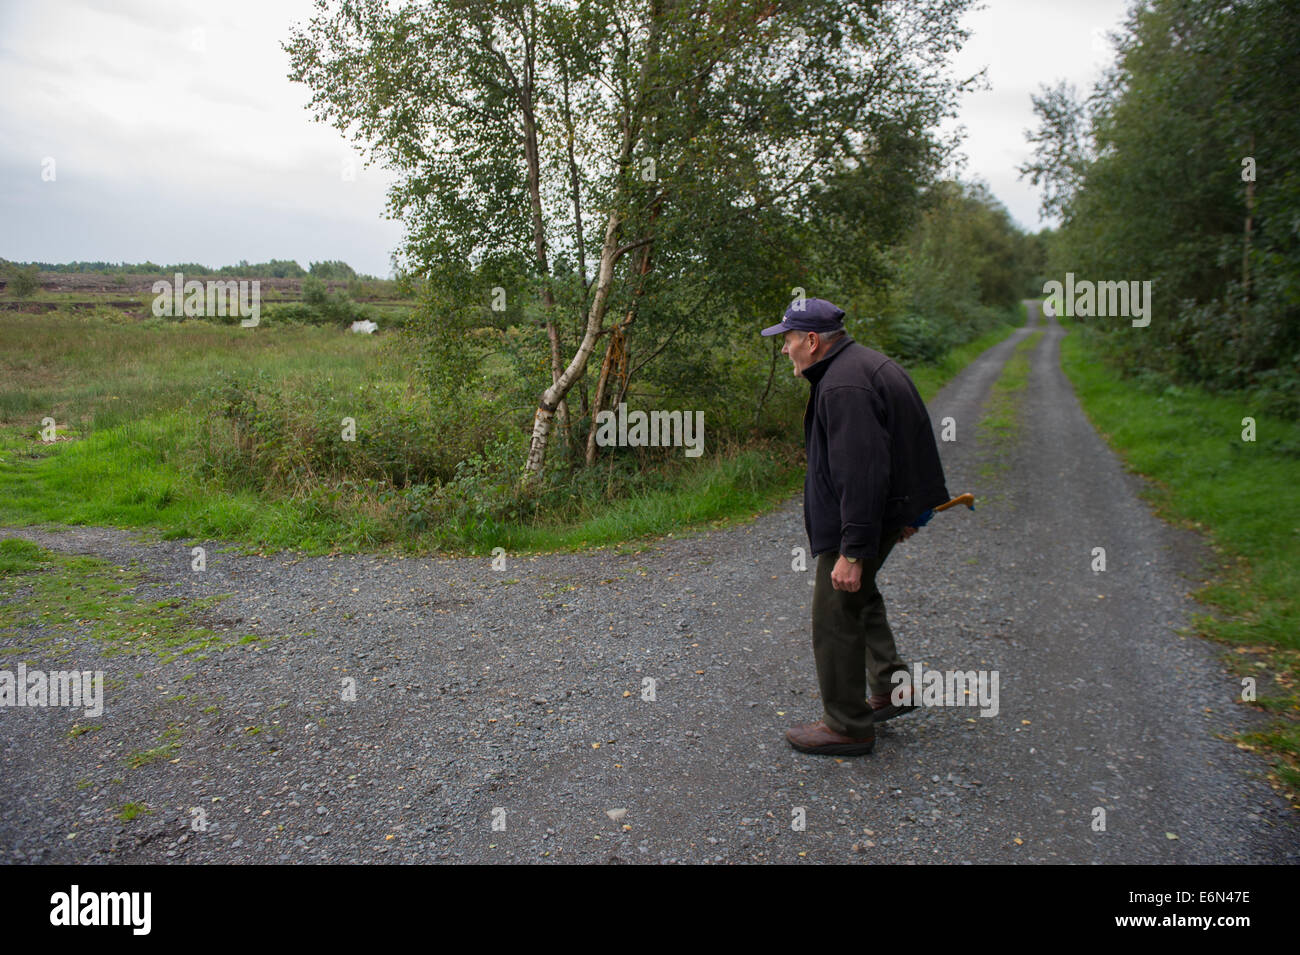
x=23 y=281
x=915 y=339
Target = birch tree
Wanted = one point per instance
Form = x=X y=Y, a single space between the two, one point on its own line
x=624 y=137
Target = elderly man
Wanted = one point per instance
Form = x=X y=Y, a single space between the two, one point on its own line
x=873 y=477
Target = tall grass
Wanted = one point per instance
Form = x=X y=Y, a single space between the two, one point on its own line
x=143 y=442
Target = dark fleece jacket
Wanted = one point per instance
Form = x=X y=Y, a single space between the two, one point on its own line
x=872 y=459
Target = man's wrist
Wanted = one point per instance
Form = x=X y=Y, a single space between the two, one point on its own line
x=851 y=560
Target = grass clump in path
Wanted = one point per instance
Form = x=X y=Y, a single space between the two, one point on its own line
x=999 y=427
x=47 y=599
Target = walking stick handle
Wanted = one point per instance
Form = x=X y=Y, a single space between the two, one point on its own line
x=967 y=499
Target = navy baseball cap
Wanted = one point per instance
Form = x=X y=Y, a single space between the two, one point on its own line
x=809 y=315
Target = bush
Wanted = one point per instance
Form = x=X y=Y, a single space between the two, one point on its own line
x=23 y=281
x=323 y=307
x=483 y=493
x=259 y=435
x=914 y=339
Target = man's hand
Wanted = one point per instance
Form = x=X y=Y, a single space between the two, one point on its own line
x=846 y=575
x=908 y=532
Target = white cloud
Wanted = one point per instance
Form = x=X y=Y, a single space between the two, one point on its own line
x=178 y=136
x=1025 y=44
x=177 y=131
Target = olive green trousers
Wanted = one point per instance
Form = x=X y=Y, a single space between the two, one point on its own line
x=851 y=637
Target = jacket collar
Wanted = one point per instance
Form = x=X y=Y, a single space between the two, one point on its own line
x=818 y=368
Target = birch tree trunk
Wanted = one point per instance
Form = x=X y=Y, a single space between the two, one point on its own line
x=610 y=253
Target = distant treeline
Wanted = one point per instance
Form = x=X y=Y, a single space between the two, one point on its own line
x=274 y=269
x=1182 y=168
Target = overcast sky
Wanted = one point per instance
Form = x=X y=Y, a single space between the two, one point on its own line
x=176 y=136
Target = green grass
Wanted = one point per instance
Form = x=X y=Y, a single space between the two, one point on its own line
x=999 y=426
x=54 y=597
x=131 y=810
x=21 y=557
x=130 y=444
x=169 y=743
x=104 y=374
x=1241 y=496
x=129 y=476
x=120 y=393
x=730 y=488
x=157 y=754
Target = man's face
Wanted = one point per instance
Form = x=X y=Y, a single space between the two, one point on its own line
x=800 y=346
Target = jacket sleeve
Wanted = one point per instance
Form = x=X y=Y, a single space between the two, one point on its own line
x=857 y=456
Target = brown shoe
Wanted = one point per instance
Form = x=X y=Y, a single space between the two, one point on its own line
x=883 y=708
x=821 y=739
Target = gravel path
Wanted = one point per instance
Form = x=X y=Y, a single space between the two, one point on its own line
x=515 y=698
